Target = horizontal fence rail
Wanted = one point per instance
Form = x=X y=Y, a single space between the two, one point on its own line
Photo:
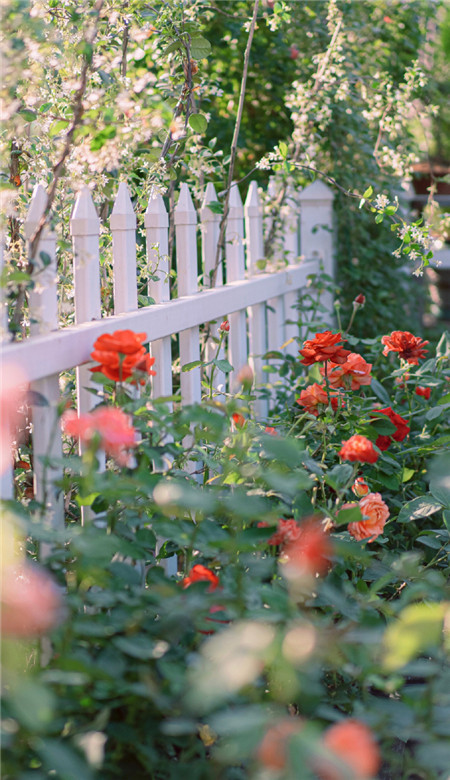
x=261 y=305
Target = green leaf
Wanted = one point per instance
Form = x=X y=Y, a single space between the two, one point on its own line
x=339 y=475
x=424 y=506
x=190 y=366
x=440 y=478
x=138 y=646
x=223 y=365
x=27 y=114
x=436 y=411
x=380 y=392
x=56 y=127
x=351 y=515
x=200 y=47
x=418 y=628
x=198 y=122
x=287 y=451
x=215 y=207
x=383 y=425
x=283 y=149
x=368 y=193
x=59 y=758
x=407 y=474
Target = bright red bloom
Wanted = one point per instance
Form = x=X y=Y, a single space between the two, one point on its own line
x=110 y=424
x=375 y=513
x=409 y=347
x=31 y=602
x=351 y=375
x=353 y=743
x=271 y=431
x=120 y=354
x=225 y=326
x=324 y=346
x=358 y=448
x=425 y=392
x=383 y=442
x=308 y=552
x=200 y=573
x=314 y=396
x=238 y=419
x=360 y=488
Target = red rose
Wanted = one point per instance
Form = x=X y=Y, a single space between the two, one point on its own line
x=324 y=346
x=358 y=448
x=409 y=347
x=383 y=442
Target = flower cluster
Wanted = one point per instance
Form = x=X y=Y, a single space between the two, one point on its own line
x=121 y=355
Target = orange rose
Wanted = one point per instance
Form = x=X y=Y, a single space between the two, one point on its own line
x=375 y=513
x=314 y=396
x=358 y=448
x=360 y=488
x=200 y=573
x=352 y=374
x=324 y=346
x=121 y=354
x=238 y=419
x=353 y=743
x=127 y=342
x=409 y=347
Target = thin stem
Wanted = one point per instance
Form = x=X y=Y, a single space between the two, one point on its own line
x=234 y=143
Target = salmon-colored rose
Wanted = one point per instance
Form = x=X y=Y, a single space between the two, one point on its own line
x=272 y=750
x=287 y=531
x=31 y=602
x=351 y=375
x=360 y=488
x=383 y=442
x=409 y=347
x=358 y=448
x=307 y=553
x=313 y=397
x=12 y=387
x=200 y=573
x=354 y=744
x=270 y=430
x=111 y=425
x=375 y=513
x=324 y=346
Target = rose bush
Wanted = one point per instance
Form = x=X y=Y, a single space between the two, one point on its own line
x=299 y=628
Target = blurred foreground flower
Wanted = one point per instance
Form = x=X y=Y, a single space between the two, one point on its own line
x=272 y=750
x=309 y=553
x=31 y=602
x=356 y=751
x=11 y=391
x=200 y=573
x=425 y=392
x=112 y=427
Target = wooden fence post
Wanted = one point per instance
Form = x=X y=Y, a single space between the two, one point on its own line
x=85 y=230
x=123 y=228
x=291 y=329
x=234 y=243
x=43 y=313
x=316 y=231
x=257 y=313
x=210 y=236
x=187 y=272
x=156 y=222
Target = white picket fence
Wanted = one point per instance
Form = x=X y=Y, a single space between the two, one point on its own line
x=257 y=303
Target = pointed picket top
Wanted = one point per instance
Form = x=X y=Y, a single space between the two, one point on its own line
x=122 y=215
x=235 y=206
x=316 y=191
x=84 y=220
x=253 y=202
x=156 y=213
x=36 y=210
x=185 y=213
x=210 y=197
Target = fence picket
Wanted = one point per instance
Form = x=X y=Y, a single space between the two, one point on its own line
x=186 y=242
x=234 y=243
x=210 y=235
x=291 y=330
x=275 y=306
x=43 y=314
x=256 y=314
x=316 y=224
x=6 y=477
x=123 y=228
x=156 y=223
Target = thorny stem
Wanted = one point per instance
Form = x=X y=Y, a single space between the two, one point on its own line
x=234 y=144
